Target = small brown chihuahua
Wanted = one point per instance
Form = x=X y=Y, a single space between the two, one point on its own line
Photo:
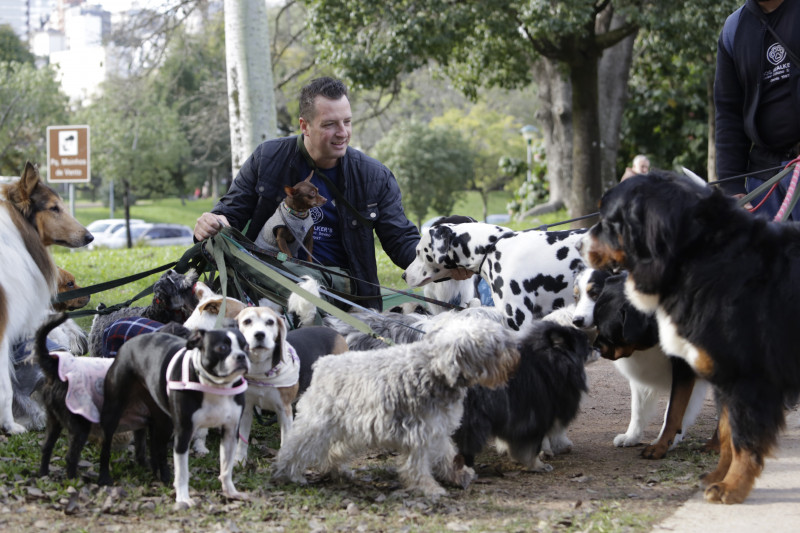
x=292 y=219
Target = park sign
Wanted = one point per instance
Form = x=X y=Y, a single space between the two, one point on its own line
x=68 y=154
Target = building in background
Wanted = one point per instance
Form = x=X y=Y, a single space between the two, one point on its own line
x=25 y=16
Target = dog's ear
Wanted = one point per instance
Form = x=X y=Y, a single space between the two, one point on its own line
x=638 y=328
x=195 y=339
x=280 y=343
x=290 y=191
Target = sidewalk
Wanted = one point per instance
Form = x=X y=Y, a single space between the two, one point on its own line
x=773 y=506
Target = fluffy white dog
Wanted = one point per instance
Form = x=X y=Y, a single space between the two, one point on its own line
x=406 y=398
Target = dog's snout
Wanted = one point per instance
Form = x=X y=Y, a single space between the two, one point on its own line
x=259 y=335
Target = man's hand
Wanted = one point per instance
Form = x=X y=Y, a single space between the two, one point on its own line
x=748 y=205
x=209 y=225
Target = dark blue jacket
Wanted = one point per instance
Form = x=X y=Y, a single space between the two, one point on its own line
x=737 y=87
x=367 y=184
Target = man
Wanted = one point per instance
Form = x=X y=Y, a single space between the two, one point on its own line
x=363 y=194
x=757 y=97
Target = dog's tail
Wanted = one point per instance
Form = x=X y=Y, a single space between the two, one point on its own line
x=48 y=364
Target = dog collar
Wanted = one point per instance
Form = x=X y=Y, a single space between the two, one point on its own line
x=185 y=384
x=274 y=371
x=295 y=212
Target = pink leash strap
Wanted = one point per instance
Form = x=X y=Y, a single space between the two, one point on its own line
x=779 y=216
x=185 y=384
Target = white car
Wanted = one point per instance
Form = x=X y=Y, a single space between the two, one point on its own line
x=103 y=228
x=156 y=234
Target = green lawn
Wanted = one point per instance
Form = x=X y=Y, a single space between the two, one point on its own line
x=98 y=266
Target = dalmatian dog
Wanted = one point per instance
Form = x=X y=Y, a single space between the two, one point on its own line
x=530 y=272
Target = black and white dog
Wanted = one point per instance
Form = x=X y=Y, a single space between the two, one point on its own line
x=188 y=384
x=629 y=338
x=530 y=272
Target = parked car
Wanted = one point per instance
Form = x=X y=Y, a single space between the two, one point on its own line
x=103 y=228
x=156 y=234
x=499 y=218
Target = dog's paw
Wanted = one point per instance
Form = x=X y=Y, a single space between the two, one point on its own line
x=560 y=444
x=183 y=504
x=463 y=477
x=12 y=428
x=199 y=447
x=625 y=440
x=233 y=494
x=540 y=467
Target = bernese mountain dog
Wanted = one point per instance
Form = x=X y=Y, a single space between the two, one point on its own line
x=722 y=284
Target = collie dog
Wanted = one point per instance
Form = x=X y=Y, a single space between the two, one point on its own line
x=32 y=217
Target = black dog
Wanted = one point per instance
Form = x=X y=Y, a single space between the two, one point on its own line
x=59 y=416
x=544 y=392
x=188 y=384
x=723 y=286
x=173 y=301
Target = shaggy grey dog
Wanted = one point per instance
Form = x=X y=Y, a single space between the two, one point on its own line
x=400 y=328
x=173 y=301
x=407 y=398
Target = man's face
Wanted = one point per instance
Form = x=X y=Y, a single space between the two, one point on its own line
x=328 y=133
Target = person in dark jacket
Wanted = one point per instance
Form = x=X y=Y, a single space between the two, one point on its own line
x=368 y=198
x=757 y=97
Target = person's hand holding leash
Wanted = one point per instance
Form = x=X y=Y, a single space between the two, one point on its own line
x=209 y=225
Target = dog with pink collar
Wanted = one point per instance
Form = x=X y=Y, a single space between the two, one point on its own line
x=187 y=384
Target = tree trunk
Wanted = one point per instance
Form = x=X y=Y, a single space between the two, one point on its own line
x=251 y=101
x=613 y=75
x=711 y=165
x=586 y=159
x=555 y=119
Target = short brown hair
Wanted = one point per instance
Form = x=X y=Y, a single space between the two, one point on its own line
x=329 y=88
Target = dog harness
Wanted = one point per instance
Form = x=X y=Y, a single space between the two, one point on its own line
x=284 y=374
x=297 y=224
x=84 y=377
x=186 y=384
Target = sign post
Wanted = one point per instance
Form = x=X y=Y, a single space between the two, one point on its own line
x=68 y=155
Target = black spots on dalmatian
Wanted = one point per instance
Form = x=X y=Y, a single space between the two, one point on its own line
x=498 y=267
x=552 y=284
x=576 y=265
x=514 y=286
x=562 y=253
x=497 y=287
x=512 y=317
x=535 y=310
x=558 y=303
x=519 y=318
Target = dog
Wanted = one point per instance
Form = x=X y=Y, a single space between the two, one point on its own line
x=28 y=375
x=542 y=397
x=173 y=301
x=71 y=393
x=292 y=225
x=629 y=338
x=273 y=379
x=32 y=218
x=530 y=272
x=406 y=397
x=209 y=307
x=186 y=385
x=720 y=283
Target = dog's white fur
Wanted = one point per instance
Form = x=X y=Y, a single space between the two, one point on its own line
x=405 y=397
x=301 y=310
x=265 y=332
x=452 y=291
x=649 y=374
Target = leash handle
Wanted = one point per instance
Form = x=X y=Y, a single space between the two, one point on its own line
x=790 y=192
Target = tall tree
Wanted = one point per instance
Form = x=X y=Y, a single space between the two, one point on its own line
x=251 y=97
x=489 y=43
